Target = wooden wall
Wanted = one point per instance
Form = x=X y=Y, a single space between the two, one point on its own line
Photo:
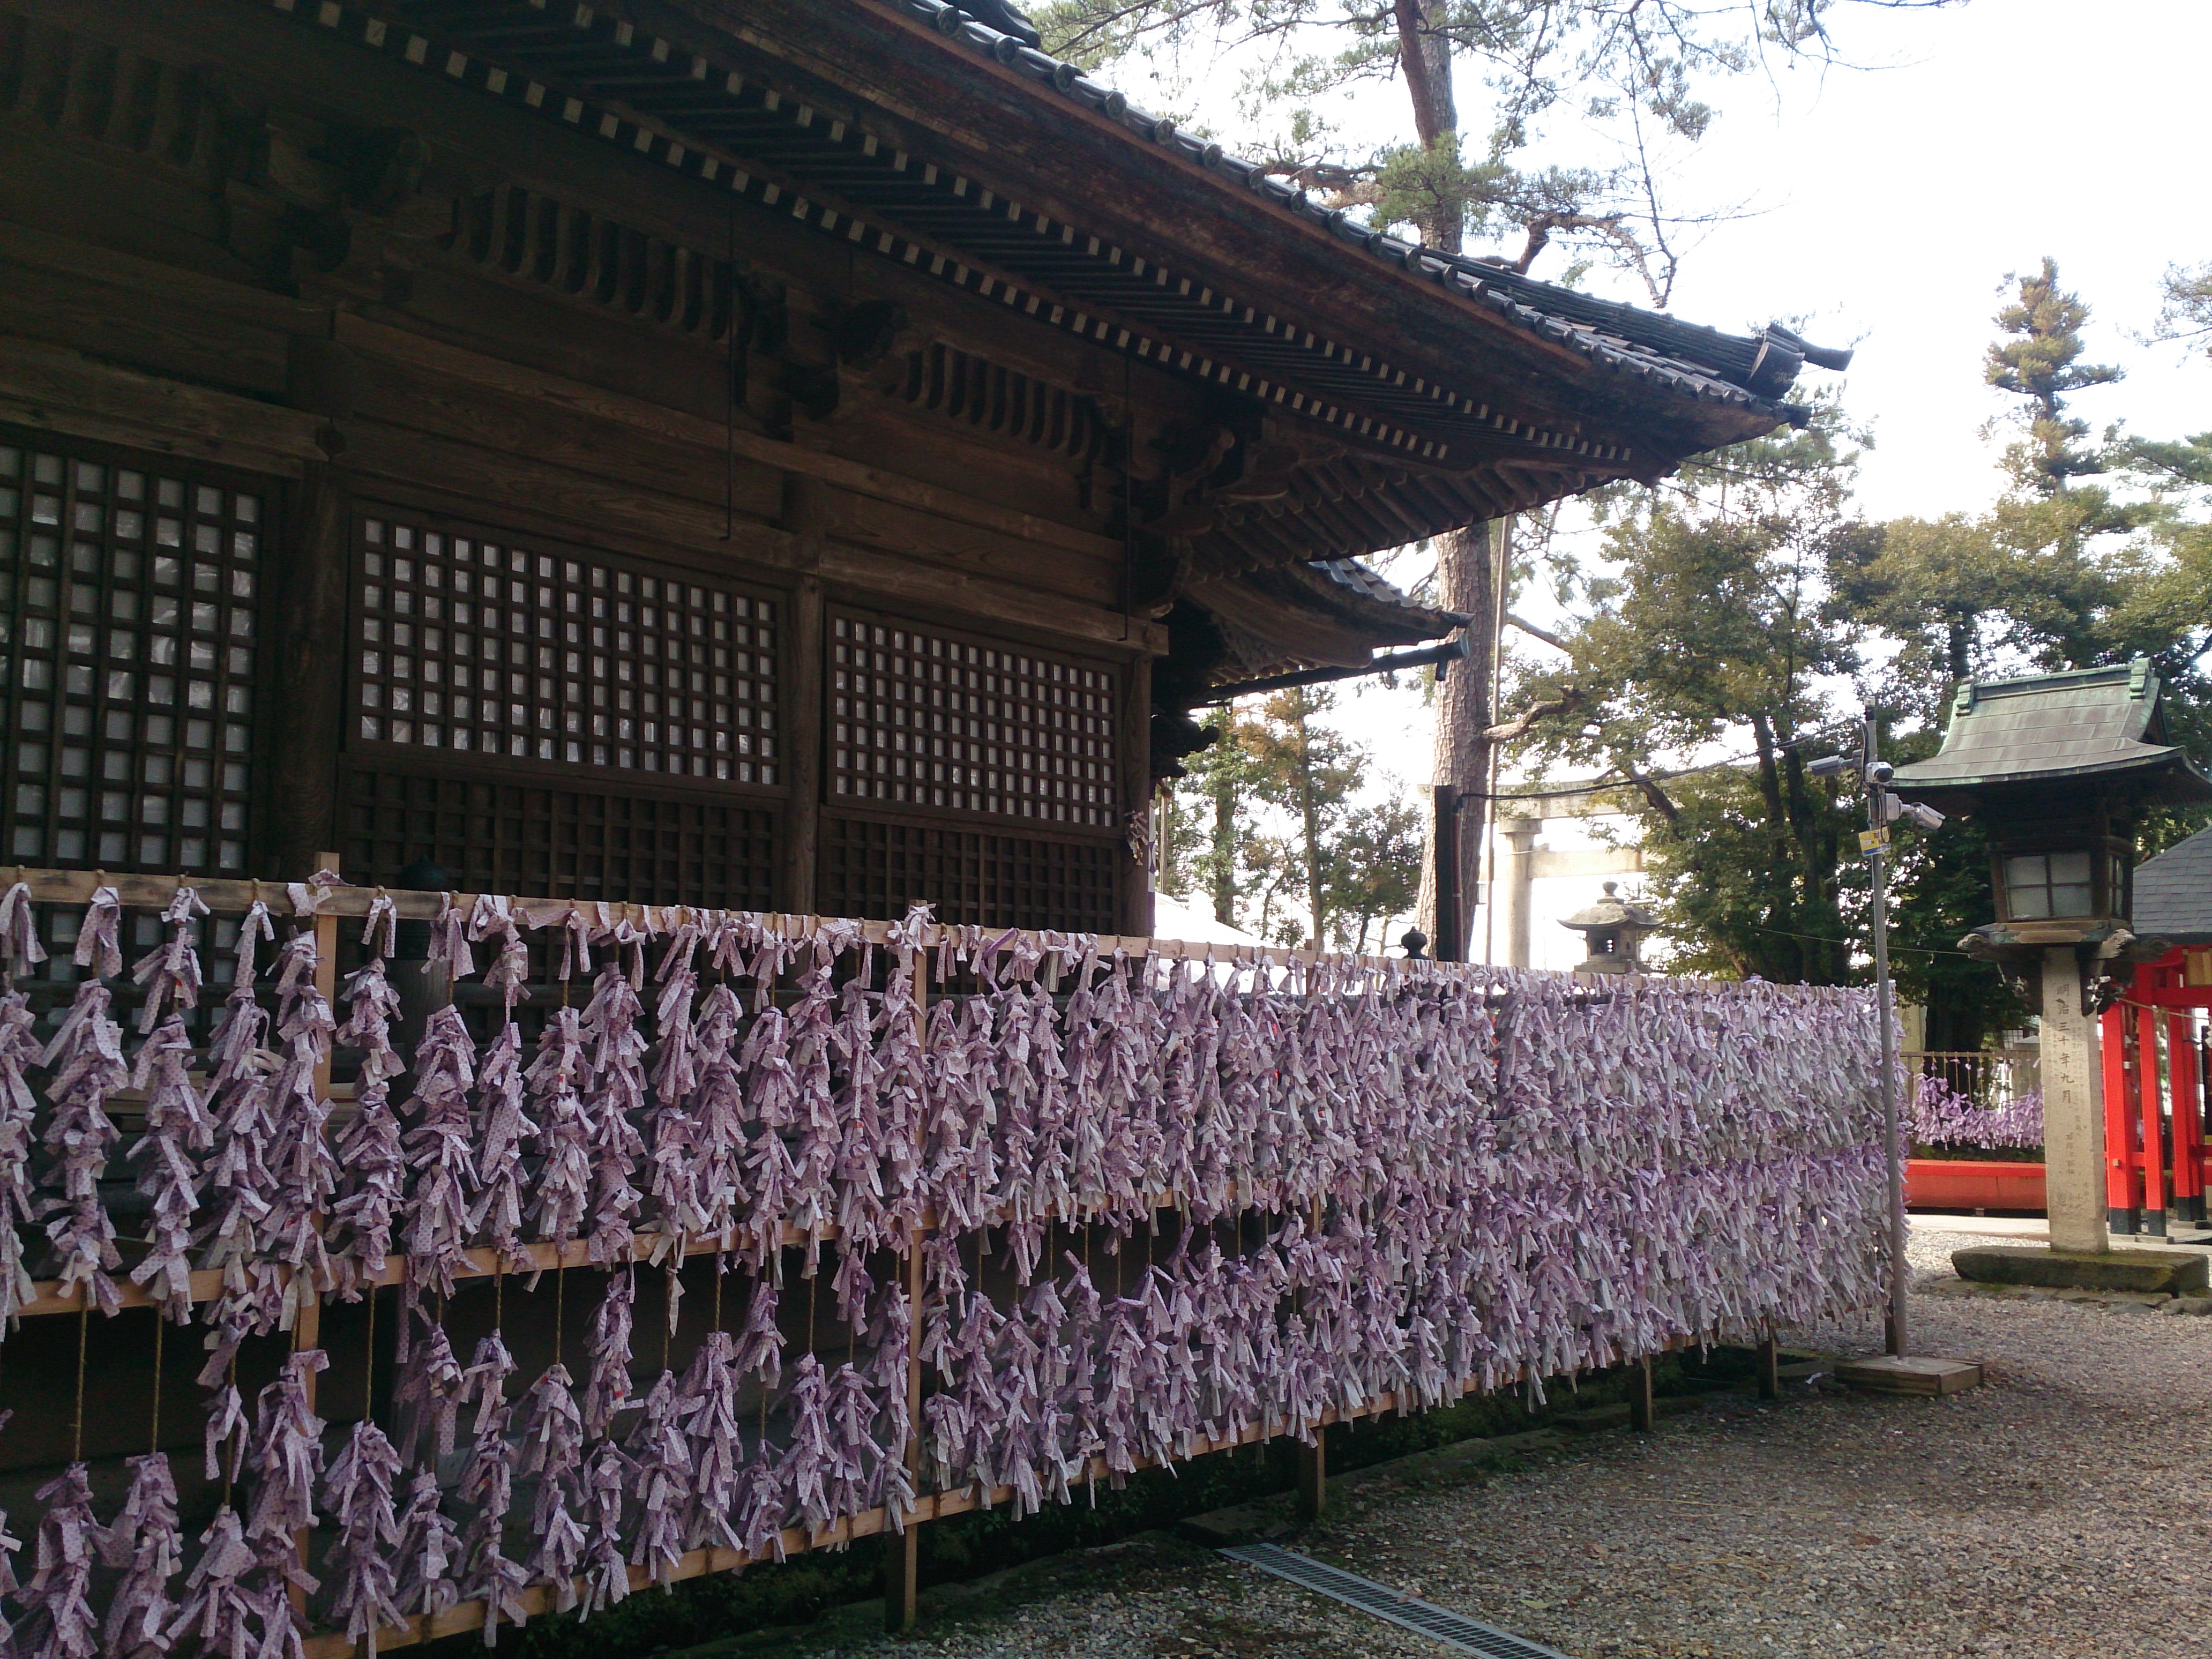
x=227 y=244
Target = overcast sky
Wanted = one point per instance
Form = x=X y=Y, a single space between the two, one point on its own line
x=1889 y=203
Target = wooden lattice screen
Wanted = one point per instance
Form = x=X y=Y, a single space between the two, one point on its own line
x=129 y=592
x=877 y=867
x=468 y=642
x=536 y=718
x=512 y=835
x=927 y=718
x=973 y=774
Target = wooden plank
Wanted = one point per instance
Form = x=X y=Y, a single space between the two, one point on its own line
x=582 y=502
x=151 y=333
x=485 y=416
x=233 y=299
x=431 y=355
x=916 y=533
x=960 y=591
x=46 y=386
x=1911 y=1374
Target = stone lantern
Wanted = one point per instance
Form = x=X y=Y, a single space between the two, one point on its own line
x=1613 y=933
x=2059 y=769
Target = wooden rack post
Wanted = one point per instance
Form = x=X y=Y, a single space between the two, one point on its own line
x=1313 y=1477
x=307 y=1314
x=902 y=1548
x=1640 y=1403
x=1770 y=1368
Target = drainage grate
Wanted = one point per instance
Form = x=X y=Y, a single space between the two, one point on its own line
x=1453 y=1630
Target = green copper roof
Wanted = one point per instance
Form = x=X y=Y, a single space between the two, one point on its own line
x=2090 y=723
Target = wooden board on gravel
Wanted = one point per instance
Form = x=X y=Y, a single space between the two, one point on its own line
x=1911 y=1374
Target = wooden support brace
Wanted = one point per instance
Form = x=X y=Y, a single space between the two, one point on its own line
x=1313 y=1478
x=1640 y=1408
x=1770 y=1368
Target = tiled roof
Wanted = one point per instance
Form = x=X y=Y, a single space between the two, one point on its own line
x=2173 y=893
x=2092 y=722
x=1748 y=370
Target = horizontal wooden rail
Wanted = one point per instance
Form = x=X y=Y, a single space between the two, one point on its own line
x=228 y=897
x=539 y=1599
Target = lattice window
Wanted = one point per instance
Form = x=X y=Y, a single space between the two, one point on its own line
x=472 y=644
x=543 y=842
x=128 y=594
x=922 y=717
x=875 y=868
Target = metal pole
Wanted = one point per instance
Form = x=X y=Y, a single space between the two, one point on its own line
x=1898 y=1272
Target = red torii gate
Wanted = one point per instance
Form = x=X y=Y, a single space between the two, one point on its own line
x=2154 y=1134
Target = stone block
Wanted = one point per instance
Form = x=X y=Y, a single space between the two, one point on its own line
x=2166 y=1272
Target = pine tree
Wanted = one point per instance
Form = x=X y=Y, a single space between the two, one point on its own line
x=2040 y=361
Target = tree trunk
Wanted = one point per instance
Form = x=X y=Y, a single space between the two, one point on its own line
x=1424 y=60
x=1224 y=848
x=1469 y=567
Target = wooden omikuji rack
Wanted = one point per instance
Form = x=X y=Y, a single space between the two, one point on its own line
x=325 y=906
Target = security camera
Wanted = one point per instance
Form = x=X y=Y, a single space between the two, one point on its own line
x=1880 y=772
x=1828 y=766
x=1922 y=816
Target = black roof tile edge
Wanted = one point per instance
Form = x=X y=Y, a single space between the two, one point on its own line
x=1756 y=368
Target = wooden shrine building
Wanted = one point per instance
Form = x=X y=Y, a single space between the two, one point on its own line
x=805 y=455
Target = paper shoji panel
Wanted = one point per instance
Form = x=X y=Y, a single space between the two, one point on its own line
x=128 y=592
x=925 y=717
x=474 y=645
x=873 y=868
x=543 y=840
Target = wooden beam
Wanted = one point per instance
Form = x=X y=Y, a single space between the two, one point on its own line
x=52 y=389
x=437 y=357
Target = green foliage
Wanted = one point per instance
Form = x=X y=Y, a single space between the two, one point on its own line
x=2187 y=312
x=2040 y=361
x=1265 y=825
x=1714 y=630
x=1636 y=78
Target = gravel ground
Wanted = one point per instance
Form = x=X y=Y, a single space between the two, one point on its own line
x=2052 y=1512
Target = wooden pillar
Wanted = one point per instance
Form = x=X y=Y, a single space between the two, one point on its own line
x=1640 y=1405
x=1133 y=886
x=801 y=714
x=305 y=625
x=1313 y=1477
x=2072 y=1135
x=1769 y=1369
